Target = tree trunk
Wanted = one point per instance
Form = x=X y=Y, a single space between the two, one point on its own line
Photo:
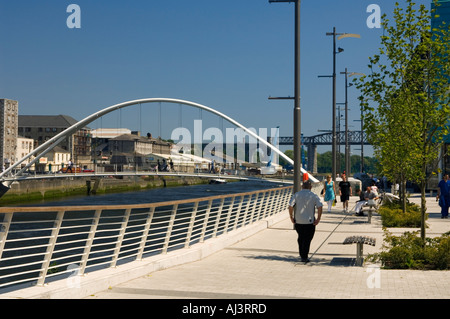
x=404 y=196
x=423 y=205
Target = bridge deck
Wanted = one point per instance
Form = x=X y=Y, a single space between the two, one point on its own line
x=265 y=265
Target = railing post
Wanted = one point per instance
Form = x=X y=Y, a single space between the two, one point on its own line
x=123 y=227
x=246 y=209
x=261 y=201
x=268 y=203
x=254 y=202
x=50 y=248
x=219 y=215
x=90 y=239
x=4 y=231
x=205 y=221
x=276 y=206
x=191 y=225
x=169 y=228
x=238 y=213
x=227 y=222
x=145 y=233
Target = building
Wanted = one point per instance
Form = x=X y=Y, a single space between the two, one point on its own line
x=53 y=161
x=41 y=128
x=443 y=15
x=8 y=131
x=24 y=147
x=133 y=150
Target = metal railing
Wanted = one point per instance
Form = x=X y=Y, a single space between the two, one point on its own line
x=41 y=244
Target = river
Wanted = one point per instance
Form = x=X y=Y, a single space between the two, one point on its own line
x=159 y=194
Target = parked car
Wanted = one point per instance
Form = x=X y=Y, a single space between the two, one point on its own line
x=74 y=170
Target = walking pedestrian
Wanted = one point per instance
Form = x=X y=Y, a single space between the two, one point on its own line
x=302 y=211
x=443 y=195
x=329 y=192
x=69 y=166
x=345 y=191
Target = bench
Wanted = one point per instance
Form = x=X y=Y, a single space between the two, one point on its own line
x=371 y=206
x=360 y=241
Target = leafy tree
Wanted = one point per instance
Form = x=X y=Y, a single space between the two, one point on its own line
x=406 y=97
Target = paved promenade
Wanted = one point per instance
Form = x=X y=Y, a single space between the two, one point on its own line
x=266 y=266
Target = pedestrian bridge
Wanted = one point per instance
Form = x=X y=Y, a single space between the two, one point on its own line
x=41 y=246
x=16 y=171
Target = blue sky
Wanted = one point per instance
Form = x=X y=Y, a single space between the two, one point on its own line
x=230 y=55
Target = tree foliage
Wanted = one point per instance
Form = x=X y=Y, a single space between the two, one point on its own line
x=406 y=96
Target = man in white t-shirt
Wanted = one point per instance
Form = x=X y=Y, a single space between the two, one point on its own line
x=302 y=211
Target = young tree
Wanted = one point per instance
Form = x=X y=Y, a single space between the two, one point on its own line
x=406 y=97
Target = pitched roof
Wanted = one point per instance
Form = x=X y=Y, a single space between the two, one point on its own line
x=59 y=121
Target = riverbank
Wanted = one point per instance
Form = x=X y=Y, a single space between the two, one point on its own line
x=28 y=191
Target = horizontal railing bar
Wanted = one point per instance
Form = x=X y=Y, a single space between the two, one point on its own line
x=18 y=282
x=23 y=265
x=23 y=248
x=19 y=231
x=65 y=257
x=27 y=239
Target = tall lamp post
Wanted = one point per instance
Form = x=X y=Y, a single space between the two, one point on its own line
x=296 y=98
x=340 y=36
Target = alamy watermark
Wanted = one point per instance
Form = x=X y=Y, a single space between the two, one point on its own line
x=374 y=279
x=74 y=280
x=215 y=139
x=74 y=19
x=374 y=19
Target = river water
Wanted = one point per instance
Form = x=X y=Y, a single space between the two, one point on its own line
x=160 y=194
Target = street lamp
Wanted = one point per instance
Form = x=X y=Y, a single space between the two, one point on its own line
x=341 y=36
x=297 y=110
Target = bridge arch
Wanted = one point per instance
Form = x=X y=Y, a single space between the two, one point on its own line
x=51 y=143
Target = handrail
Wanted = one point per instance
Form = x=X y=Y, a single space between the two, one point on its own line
x=38 y=244
x=147 y=205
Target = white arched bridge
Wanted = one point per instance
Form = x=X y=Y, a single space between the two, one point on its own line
x=12 y=173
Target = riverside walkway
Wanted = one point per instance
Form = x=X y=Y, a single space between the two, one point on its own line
x=265 y=265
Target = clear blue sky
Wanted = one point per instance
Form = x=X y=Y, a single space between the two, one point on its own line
x=230 y=55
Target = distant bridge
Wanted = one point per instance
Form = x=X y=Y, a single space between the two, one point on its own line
x=311 y=143
x=354 y=138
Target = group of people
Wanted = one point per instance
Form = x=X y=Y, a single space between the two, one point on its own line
x=163 y=167
x=304 y=205
x=443 y=195
x=329 y=192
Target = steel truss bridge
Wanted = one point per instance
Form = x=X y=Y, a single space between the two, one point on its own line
x=354 y=138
